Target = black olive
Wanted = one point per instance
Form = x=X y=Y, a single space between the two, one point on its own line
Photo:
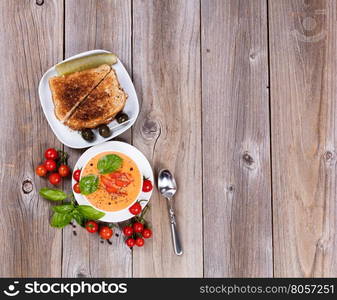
x=87 y=134
x=122 y=117
x=104 y=131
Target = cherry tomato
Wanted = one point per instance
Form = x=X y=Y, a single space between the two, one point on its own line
x=76 y=188
x=91 y=226
x=147 y=233
x=51 y=153
x=138 y=227
x=77 y=175
x=140 y=242
x=64 y=170
x=41 y=170
x=135 y=209
x=50 y=165
x=54 y=178
x=147 y=186
x=130 y=242
x=127 y=230
x=105 y=232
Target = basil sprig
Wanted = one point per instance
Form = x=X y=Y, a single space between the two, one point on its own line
x=65 y=213
x=88 y=184
x=109 y=163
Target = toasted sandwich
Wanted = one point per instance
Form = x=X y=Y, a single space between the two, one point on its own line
x=69 y=91
x=100 y=106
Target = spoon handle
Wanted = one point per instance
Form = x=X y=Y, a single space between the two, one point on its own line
x=178 y=249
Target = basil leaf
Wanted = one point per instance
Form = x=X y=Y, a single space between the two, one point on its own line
x=65 y=208
x=78 y=217
x=60 y=220
x=53 y=194
x=109 y=163
x=88 y=184
x=89 y=212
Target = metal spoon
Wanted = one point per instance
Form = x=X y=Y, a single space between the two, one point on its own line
x=167 y=187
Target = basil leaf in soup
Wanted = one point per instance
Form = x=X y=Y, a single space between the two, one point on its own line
x=109 y=163
x=59 y=220
x=89 y=212
x=88 y=184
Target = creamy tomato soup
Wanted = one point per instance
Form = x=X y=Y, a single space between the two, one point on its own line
x=117 y=190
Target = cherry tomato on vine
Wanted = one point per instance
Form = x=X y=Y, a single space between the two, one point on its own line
x=140 y=242
x=135 y=209
x=138 y=227
x=51 y=153
x=128 y=230
x=91 y=226
x=41 y=170
x=130 y=242
x=50 y=165
x=147 y=186
x=76 y=188
x=147 y=233
x=105 y=232
x=54 y=178
x=77 y=175
x=64 y=170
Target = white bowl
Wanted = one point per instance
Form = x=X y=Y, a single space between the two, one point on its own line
x=72 y=138
x=141 y=162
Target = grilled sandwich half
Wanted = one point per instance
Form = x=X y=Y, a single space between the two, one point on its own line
x=69 y=91
x=100 y=106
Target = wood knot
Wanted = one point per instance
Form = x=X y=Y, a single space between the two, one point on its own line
x=150 y=129
x=231 y=188
x=328 y=155
x=247 y=158
x=81 y=275
x=248 y=161
x=329 y=158
x=39 y=2
x=208 y=50
x=27 y=186
x=252 y=56
x=323 y=244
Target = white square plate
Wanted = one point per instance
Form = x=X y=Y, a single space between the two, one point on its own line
x=72 y=138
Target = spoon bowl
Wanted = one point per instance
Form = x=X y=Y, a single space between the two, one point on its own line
x=166 y=184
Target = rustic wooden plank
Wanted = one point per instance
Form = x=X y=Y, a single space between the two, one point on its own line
x=303 y=105
x=31 y=41
x=166 y=63
x=236 y=141
x=92 y=24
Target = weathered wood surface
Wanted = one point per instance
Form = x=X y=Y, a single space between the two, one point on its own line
x=201 y=72
x=236 y=144
x=166 y=72
x=30 y=42
x=91 y=25
x=303 y=114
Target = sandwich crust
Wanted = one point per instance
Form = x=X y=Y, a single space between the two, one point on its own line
x=100 y=106
x=70 y=90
